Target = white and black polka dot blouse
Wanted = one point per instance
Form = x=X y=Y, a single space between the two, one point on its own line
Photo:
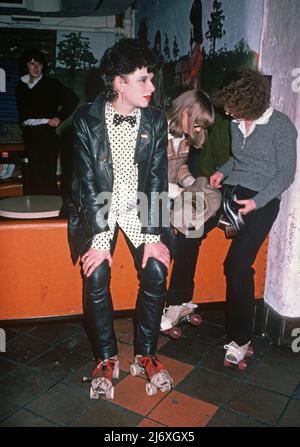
x=122 y=140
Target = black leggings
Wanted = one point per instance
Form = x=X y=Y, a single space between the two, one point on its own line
x=41 y=144
x=181 y=288
x=240 y=296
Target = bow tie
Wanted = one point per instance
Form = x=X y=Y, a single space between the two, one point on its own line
x=118 y=119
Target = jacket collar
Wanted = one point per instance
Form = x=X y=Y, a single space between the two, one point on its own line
x=98 y=126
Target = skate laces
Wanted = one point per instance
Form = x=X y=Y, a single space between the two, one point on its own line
x=234 y=351
x=151 y=365
x=174 y=313
x=104 y=369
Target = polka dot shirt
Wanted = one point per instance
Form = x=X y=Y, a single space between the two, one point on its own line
x=122 y=139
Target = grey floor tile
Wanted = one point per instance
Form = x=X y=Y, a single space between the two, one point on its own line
x=6 y=407
x=282 y=356
x=6 y=366
x=297 y=392
x=23 y=385
x=205 y=332
x=10 y=334
x=24 y=418
x=214 y=316
x=104 y=414
x=57 y=363
x=186 y=350
x=262 y=405
x=208 y=386
x=274 y=378
x=24 y=348
x=224 y=418
x=54 y=332
x=60 y=404
x=79 y=344
x=291 y=415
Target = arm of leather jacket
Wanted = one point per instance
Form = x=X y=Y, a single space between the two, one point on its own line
x=84 y=187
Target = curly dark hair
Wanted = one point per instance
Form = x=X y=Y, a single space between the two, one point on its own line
x=244 y=94
x=122 y=59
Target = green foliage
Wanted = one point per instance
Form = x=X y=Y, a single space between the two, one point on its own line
x=215 y=25
x=216 y=65
x=74 y=52
x=216 y=150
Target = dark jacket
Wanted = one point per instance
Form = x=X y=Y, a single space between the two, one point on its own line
x=93 y=171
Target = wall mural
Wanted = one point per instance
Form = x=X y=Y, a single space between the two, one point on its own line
x=200 y=68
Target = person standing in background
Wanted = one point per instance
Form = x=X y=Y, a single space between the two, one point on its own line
x=43 y=104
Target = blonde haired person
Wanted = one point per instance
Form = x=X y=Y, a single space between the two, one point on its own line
x=189 y=117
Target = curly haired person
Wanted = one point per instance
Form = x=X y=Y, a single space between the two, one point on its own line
x=262 y=167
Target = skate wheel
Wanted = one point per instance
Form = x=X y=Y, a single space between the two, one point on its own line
x=151 y=389
x=196 y=320
x=174 y=332
x=227 y=363
x=110 y=394
x=135 y=369
x=242 y=365
x=93 y=395
x=166 y=388
x=250 y=352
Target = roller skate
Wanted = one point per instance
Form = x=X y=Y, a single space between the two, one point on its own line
x=101 y=380
x=236 y=355
x=157 y=376
x=175 y=315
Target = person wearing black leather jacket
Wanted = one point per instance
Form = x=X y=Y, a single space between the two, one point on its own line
x=120 y=151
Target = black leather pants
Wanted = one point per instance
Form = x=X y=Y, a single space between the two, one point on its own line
x=98 y=307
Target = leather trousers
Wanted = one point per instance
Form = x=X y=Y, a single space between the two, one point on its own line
x=98 y=306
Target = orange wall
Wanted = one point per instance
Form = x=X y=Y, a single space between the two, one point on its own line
x=38 y=279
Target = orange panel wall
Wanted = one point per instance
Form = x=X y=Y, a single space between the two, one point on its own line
x=38 y=279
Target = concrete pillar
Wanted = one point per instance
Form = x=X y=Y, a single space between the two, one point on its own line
x=280 y=57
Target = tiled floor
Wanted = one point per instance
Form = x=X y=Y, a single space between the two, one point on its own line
x=41 y=372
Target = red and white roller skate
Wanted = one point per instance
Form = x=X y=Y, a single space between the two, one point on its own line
x=175 y=315
x=236 y=355
x=158 y=377
x=101 y=380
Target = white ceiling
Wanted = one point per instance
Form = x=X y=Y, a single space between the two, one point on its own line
x=69 y=8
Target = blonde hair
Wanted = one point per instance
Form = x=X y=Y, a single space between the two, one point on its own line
x=200 y=111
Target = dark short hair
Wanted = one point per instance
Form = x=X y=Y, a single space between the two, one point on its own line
x=244 y=93
x=28 y=55
x=36 y=54
x=122 y=59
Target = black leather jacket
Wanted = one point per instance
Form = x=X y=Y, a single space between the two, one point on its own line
x=93 y=170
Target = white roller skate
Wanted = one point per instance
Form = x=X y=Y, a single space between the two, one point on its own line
x=174 y=315
x=158 y=377
x=102 y=375
x=236 y=355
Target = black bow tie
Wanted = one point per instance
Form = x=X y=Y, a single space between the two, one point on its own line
x=118 y=119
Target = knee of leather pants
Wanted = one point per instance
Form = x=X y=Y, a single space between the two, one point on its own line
x=150 y=304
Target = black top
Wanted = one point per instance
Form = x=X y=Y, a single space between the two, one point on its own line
x=49 y=98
